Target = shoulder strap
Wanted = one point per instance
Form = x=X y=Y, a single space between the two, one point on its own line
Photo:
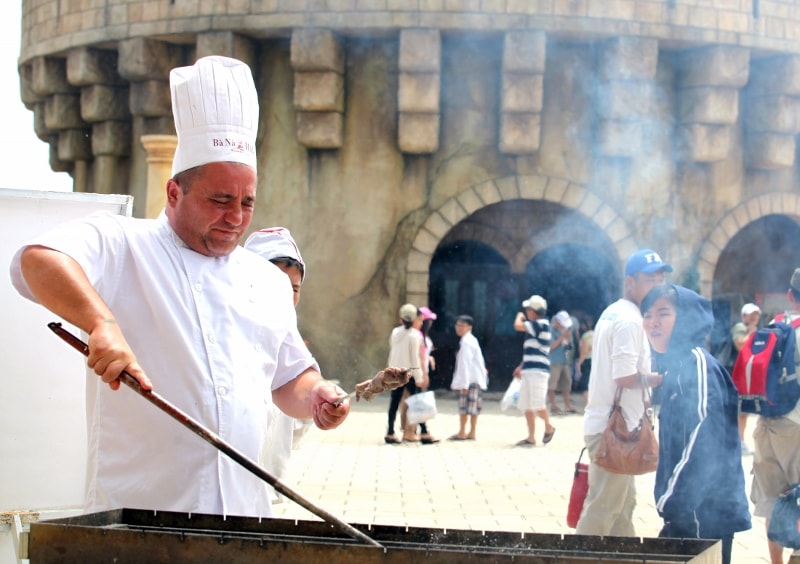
x=781 y=317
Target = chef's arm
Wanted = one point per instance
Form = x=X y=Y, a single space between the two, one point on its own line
x=59 y=283
x=311 y=396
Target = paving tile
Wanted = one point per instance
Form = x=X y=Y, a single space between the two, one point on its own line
x=484 y=485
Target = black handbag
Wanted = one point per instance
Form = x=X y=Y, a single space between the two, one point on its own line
x=784 y=524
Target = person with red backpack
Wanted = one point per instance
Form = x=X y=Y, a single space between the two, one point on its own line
x=776 y=463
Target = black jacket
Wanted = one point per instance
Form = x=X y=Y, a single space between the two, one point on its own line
x=699 y=487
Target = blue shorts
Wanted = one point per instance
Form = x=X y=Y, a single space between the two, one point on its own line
x=469 y=403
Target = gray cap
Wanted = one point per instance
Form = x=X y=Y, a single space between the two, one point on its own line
x=408 y=312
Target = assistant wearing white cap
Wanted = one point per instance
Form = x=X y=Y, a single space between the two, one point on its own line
x=215 y=105
x=277 y=246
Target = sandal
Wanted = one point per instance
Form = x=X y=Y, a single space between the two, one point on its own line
x=526 y=443
x=428 y=440
x=549 y=436
x=457 y=438
x=391 y=440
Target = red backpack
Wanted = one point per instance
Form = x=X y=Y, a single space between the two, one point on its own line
x=765 y=373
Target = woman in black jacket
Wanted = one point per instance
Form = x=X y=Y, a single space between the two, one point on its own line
x=699 y=489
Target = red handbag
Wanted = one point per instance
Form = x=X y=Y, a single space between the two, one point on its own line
x=580 y=487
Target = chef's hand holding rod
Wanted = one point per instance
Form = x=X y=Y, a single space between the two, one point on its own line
x=217 y=442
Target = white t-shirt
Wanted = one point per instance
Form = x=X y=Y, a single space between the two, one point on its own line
x=620 y=348
x=214 y=335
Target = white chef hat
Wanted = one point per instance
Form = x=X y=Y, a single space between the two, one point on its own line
x=215 y=105
x=274 y=243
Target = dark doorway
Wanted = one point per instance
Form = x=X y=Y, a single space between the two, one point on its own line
x=755 y=266
x=575 y=278
x=469 y=277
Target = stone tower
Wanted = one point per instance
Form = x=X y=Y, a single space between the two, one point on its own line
x=460 y=154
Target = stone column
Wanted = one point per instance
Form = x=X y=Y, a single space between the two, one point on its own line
x=59 y=120
x=146 y=63
x=418 y=90
x=317 y=57
x=708 y=83
x=160 y=151
x=523 y=80
x=626 y=69
x=228 y=44
x=104 y=105
x=772 y=113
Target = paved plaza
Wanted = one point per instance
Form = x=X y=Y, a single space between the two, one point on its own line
x=487 y=484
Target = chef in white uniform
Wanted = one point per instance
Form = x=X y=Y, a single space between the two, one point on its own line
x=178 y=304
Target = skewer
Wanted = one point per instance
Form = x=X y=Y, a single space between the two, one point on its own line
x=217 y=442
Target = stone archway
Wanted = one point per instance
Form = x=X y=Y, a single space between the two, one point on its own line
x=526 y=187
x=779 y=203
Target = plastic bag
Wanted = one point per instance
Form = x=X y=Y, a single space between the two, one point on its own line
x=511 y=396
x=421 y=407
x=784 y=524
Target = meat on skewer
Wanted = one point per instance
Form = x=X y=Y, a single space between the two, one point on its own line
x=387 y=379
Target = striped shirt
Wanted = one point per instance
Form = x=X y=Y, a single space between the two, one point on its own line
x=536 y=351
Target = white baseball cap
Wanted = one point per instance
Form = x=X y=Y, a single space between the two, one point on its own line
x=747 y=309
x=215 y=106
x=536 y=303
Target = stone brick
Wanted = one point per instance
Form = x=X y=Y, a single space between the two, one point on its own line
x=520 y=133
x=420 y=50
x=49 y=76
x=39 y=127
x=320 y=130
x=27 y=95
x=775 y=75
x=628 y=58
x=418 y=133
x=569 y=7
x=87 y=66
x=708 y=105
x=102 y=103
x=770 y=151
x=508 y=188
x=75 y=145
x=625 y=100
x=111 y=138
x=610 y=9
x=226 y=43
x=63 y=111
x=317 y=50
x=530 y=6
x=488 y=192
x=522 y=92
x=704 y=143
x=319 y=91
x=150 y=98
x=143 y=59
x=714 y=66
x=733 y=21
x=777 y=114
x=617 y=138
x=418 y=92
x=524 y=51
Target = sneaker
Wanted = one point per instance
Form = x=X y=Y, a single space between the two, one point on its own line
x=746 y=450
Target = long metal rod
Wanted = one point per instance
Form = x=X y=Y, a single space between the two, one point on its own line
x=217 y=442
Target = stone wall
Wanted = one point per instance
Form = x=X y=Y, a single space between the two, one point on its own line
x=385 y=124
x=51 y=26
